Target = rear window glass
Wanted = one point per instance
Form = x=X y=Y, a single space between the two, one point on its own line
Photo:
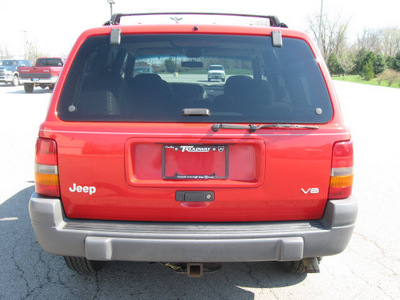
x=220 y=68
x=49 y=62
x=160 y=78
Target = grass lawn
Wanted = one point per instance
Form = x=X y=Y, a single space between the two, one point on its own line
x=358 y=79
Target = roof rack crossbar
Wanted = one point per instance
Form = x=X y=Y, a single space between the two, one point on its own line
x=274 y=21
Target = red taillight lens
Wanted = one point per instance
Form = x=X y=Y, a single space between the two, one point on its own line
x=46 y=169
x=341 y=183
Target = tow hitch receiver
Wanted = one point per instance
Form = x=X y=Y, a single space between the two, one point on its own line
x=194 y=270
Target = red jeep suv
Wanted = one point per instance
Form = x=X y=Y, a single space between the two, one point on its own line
x=166 y=166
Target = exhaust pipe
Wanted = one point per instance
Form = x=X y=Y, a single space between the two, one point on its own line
x=311 y=265
x=194 y=269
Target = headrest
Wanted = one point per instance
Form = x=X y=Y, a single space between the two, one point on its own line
x=147 y=78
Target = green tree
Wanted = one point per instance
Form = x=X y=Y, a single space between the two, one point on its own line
x=368 y=71
x=333 y=65
x=396 y=62
x=170 y=65
x=390 y=62
x=365 y=64
x=379 y=64
x=359 y=61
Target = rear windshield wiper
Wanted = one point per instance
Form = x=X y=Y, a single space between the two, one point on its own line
x=253 y=127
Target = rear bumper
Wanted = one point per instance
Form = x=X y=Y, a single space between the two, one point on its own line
x=192 y=242
x=51 y=80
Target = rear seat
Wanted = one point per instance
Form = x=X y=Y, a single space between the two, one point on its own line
x=103 y=93
x=101 y=102
x=187 y=94
x=147 y=91
x=245 y=95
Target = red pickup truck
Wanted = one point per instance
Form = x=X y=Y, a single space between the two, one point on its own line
x=166 y=166
x=44 y=73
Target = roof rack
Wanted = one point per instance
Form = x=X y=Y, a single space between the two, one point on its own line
x=273 y=20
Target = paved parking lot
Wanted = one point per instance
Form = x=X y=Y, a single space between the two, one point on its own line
x=368 y=269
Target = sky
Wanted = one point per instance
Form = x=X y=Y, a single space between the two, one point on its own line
x=54 y=25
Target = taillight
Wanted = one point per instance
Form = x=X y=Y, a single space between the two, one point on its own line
x=341 y=182
x=46 y=169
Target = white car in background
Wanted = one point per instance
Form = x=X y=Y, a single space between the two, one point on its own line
x=216 y=72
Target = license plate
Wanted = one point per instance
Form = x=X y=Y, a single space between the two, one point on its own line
x=198 y=162
x=35 y=79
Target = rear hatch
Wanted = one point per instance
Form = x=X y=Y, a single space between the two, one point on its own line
x=170 y=146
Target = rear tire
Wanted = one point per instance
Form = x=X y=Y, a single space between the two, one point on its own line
x=83 y=265
x=28 y=87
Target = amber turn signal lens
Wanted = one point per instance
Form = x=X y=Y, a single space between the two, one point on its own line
x=341 y=181
x=46 y=179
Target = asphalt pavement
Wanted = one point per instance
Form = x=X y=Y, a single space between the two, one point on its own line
x=368 y=269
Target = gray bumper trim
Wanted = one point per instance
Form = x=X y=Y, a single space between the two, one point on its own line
x=192 y=242
x=51 y=80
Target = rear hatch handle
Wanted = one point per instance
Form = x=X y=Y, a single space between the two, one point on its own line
x=253 y=127
x=196 y=112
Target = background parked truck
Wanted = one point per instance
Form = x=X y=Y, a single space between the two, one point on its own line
x=9 y=70
x=43 y=74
